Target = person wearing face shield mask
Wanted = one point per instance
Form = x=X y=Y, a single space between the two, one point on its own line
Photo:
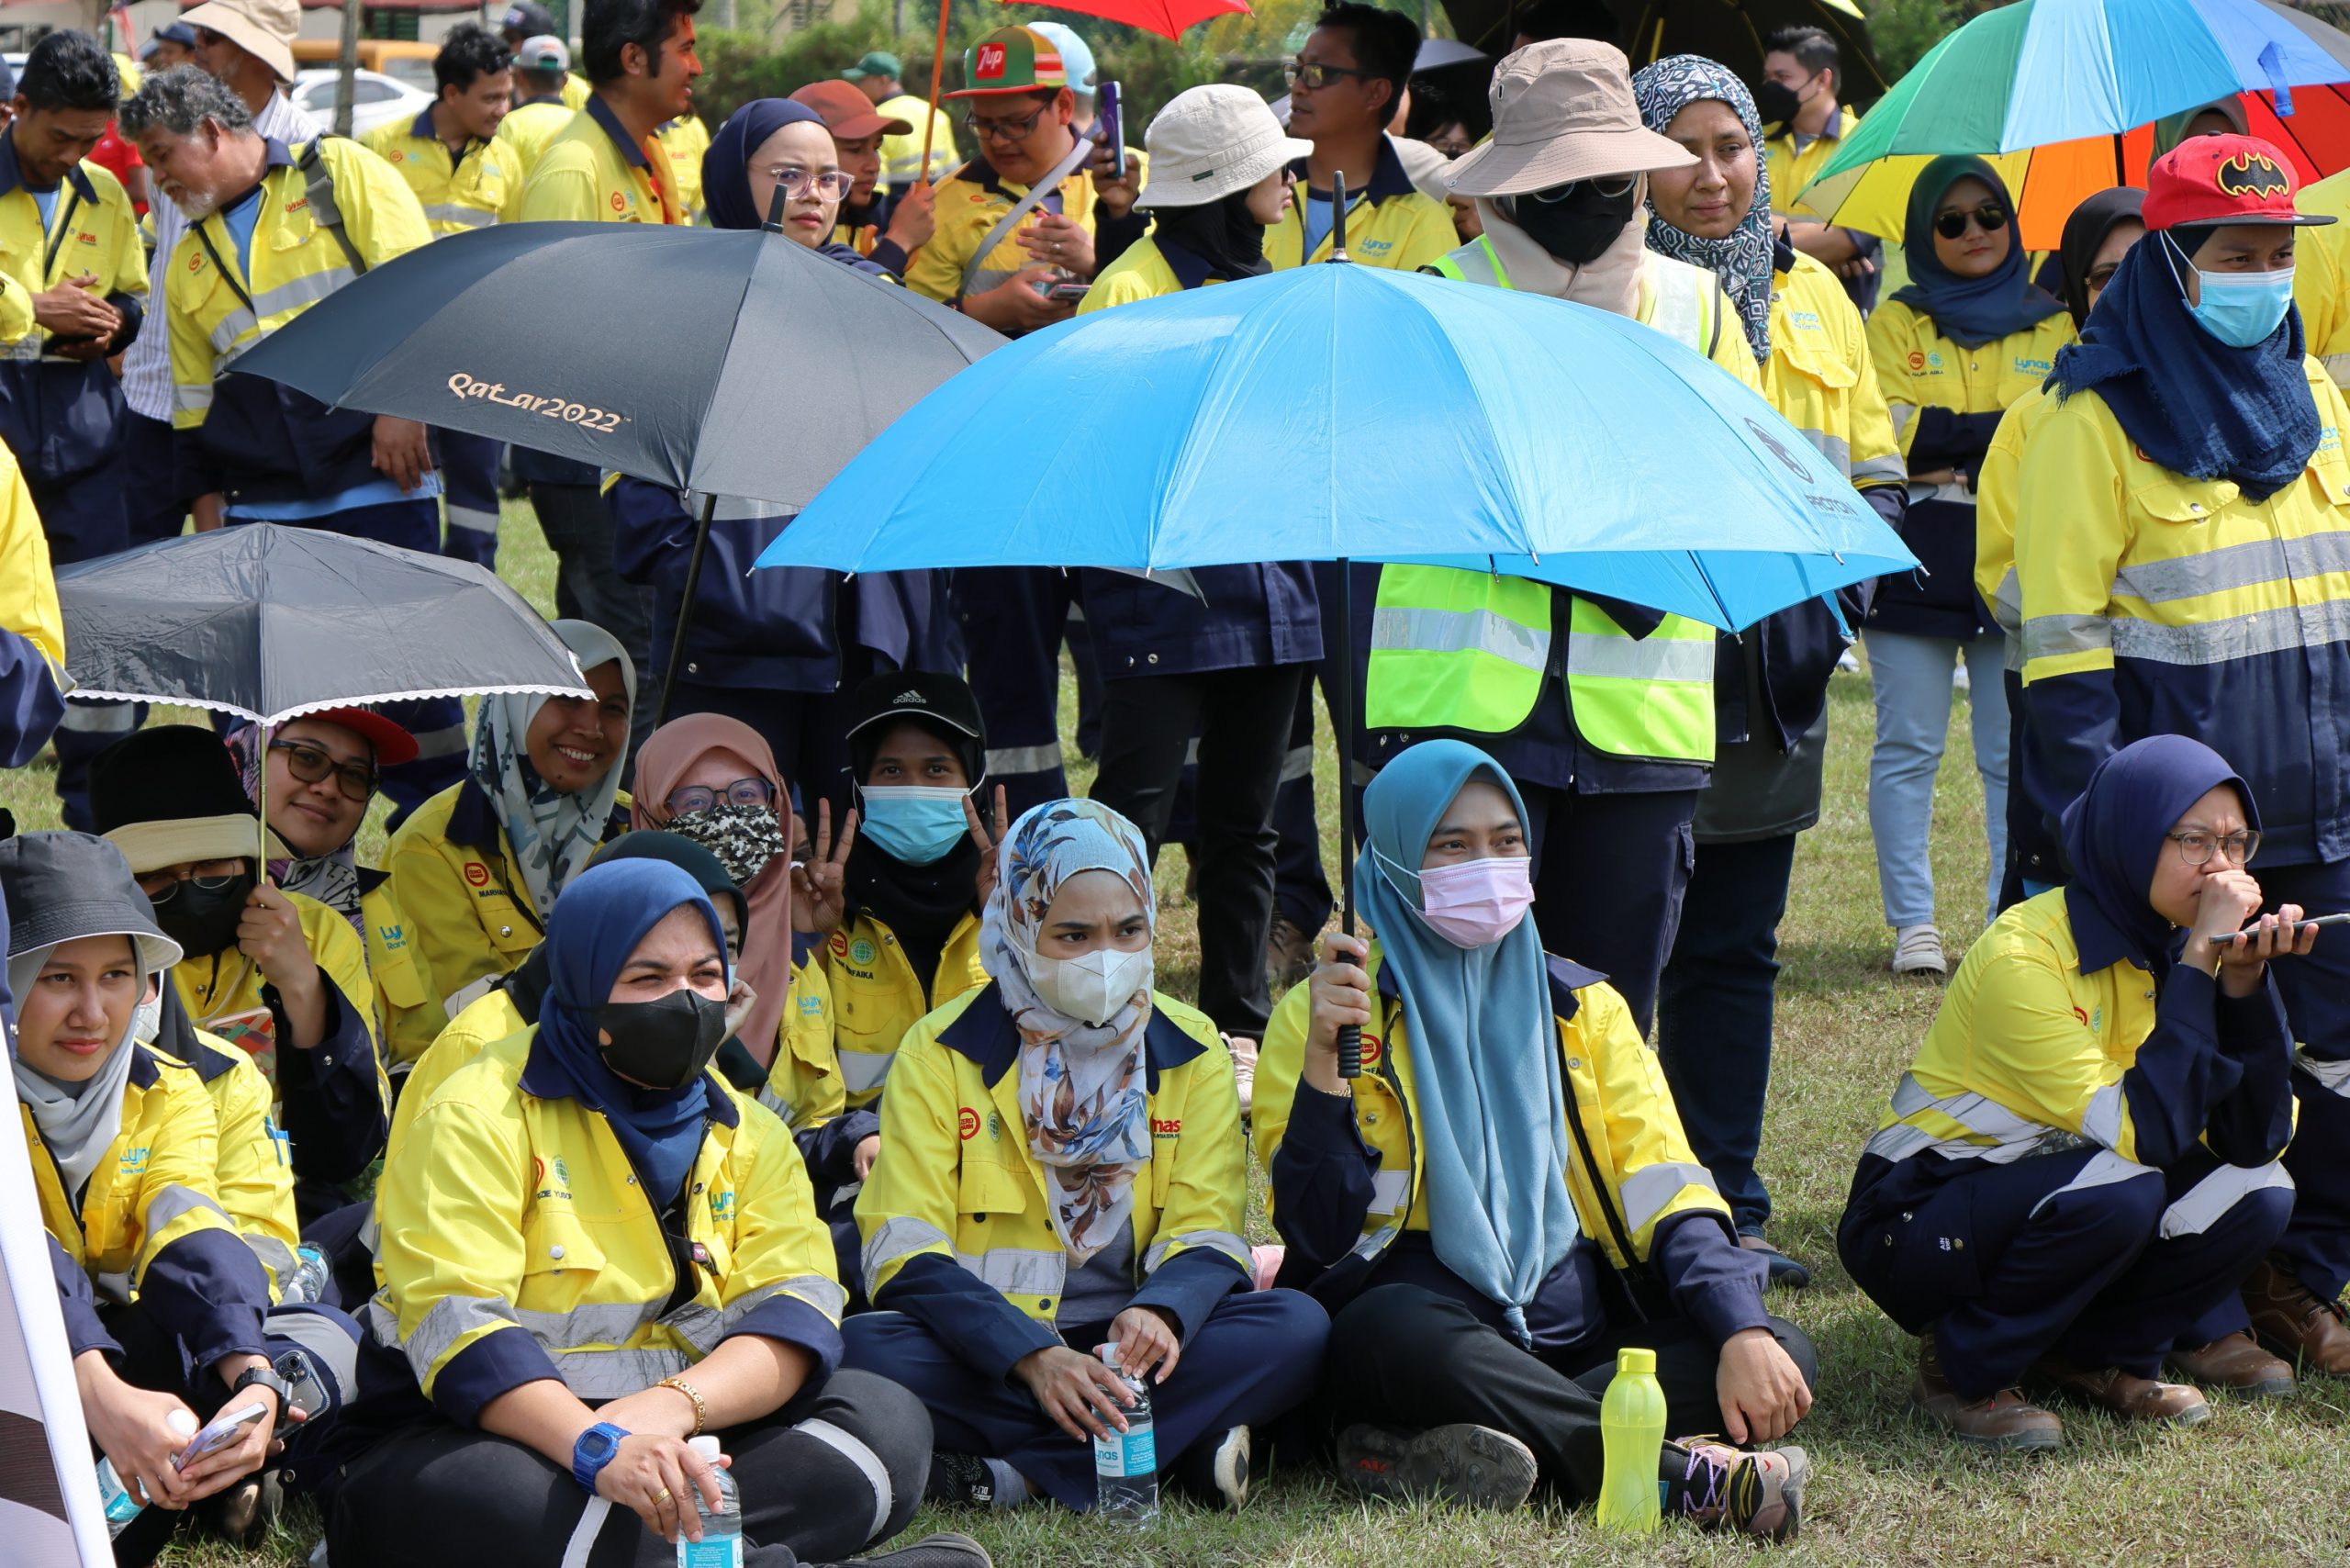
x=1510 y=1144
x=278 y=975
x=1064 y=1170
x=2178 y=507
x=593 y=1249
x=1612 y=738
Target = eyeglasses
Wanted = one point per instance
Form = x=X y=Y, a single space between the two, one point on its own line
x=830 y=185
x=205 y=38
x=357 y=780
x=695 y=798
x=1612 y=186
x=160 y=888
x=2197 y=849
x=1313 y=74
x=1004 y=130
x=1990 y=218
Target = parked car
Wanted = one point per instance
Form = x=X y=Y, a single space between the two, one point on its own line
x=374 y=98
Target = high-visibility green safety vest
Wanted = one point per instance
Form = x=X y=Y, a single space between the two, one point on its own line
x=1462 y=650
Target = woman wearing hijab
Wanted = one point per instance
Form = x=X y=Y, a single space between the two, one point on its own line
x=2098 y=234
x=1503 y=1198
x=1966 y=337
x=125 y=1167
x=2081 y=1165
x=476 y=869
x=1066 y=1171
x=2184 y=506
x=593 y=1249
x=1713 y=1004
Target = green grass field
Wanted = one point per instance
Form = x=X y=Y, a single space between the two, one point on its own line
x=2258 y=1486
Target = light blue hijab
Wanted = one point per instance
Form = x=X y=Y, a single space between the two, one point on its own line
x=1484 y=1046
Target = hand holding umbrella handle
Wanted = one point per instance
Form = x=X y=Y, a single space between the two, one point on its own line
x=1350 y=1050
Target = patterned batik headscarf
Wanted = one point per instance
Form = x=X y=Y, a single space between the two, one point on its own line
x=1743 y=260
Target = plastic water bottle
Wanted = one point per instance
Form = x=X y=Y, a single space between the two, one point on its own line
x=1631 y=1430
x=1125 y=1464
x=720 y=1545
x=121 y=1505
x=309 y=1280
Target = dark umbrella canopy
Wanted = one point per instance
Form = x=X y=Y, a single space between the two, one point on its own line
x=271 y=622
x=1730 y=31
x=677 y=355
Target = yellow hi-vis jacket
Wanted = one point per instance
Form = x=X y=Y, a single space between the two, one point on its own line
x=2321 y=274
x=685 y=140
x=472 y=189
x=92 y=229
x=594 y=172
x=1390 y=223
x=255 y=1173
x=1792 y=170
x=969 y=203
x=902 y=164
x=1459 y=649
x=528 y=130
x=877 y=996
x=1820 y=378
x=517 y=1242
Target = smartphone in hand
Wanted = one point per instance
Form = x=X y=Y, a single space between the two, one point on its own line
x=225 y=1431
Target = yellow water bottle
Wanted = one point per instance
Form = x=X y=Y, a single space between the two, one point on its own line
x=1631 y=1428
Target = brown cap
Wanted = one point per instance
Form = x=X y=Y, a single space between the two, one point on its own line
x=263 y=29
x=846 y=111
x=1562 y=111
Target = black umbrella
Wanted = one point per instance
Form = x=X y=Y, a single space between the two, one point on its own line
x=1730 y=31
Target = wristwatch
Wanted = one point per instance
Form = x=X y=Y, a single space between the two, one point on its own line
x=593 y=1451
x=266 y=1377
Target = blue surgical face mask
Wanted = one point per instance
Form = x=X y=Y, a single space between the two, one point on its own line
x=914 y=825
x=2241 y=309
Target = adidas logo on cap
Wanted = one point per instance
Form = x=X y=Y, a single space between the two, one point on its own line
x=907 y=696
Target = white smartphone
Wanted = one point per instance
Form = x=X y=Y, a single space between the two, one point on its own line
x=225 y=1431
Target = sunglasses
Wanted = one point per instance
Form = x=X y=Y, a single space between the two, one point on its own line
x=160 y=890
x=695 y=798
x=1990 y=218
x=1313 y=75
x=357 y=780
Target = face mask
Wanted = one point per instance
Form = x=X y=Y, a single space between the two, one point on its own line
x=204 y=921
x=1776 y=102
x=1478 y=902
x=663 y=1044
x=744 y=838
x=2241 y=309
x=1579 y=226
x=1094 y=989
x=913 y=826
x=148 y=1021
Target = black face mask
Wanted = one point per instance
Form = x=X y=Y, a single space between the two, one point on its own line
x=1775 y=103
x=663 y=1044
x=1581 y=225
x=204 y=921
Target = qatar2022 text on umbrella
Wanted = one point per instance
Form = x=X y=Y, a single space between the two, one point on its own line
x=1333 y=412
x=270 y=622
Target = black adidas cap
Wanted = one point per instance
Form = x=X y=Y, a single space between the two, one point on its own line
x=942 y=705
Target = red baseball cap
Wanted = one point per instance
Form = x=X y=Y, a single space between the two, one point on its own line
x=847 y=112
x=392 y=742
x=2223 y=179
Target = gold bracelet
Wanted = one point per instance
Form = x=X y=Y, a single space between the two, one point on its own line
x=701 y=1411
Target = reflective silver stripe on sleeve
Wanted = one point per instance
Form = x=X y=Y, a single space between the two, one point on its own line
x=1019 y=1271
x=1396 y=630
x=1954 y=494
x=1834 y=448
x=2101 y=1122
x=174 y=1201
x=298 y=294
x=1902 y=414
x=1024 y=758
x=2334 y=1075
x=466 y=217
x=2282 y=630
x=451 y=1319
x=99 y=719
x=1886 y=470
x=2102 y=1170
x=2337 y=366
x=1647 y=1191
x=2207 y=1202
x=1653 y=658
x=823 y=1294
x=590 y=1323
x=187 y=397
x=1388 y=1190
x=2007 y=608
x=274 y=1255
x=861 y=1071
x=900 y=1235
x=233 y=326
x=611 y=1374
x=2045 y=637
x=1222 y=1241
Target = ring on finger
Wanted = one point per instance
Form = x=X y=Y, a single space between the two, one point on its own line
x=661 y=1498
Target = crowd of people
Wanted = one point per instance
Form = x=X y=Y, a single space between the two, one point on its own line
x=793 y=1070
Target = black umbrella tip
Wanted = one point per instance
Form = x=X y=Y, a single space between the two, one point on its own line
x=774 y=225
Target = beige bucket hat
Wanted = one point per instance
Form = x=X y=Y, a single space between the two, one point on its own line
x=1562 y=111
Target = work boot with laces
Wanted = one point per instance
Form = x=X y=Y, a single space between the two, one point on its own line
x=2291 y=1320
x=2006 y=1421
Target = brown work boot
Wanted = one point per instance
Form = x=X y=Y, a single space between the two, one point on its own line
x=2236 y=1363
x=2291 y=1321
x=1289 y=953
x=1751 y=1492
x=2126 y=1395
x=2007 y=1421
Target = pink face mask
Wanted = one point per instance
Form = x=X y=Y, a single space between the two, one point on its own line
x=1477 y=902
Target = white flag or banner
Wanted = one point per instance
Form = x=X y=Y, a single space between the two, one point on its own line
x=50 y=1516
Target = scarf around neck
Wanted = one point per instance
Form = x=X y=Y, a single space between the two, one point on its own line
x=78 y=1122
x=1742 y=259
x=552 y=834
x=1972 y=311
x=1609 y=281
x=1221 y=233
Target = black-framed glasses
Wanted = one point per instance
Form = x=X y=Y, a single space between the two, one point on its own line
x=1004 y=130
x=830 y=185
x=160 y=890
x=2197 y=849
x=357 y=780
x=1313 y=75
x=695 y=798
x=1990 y=218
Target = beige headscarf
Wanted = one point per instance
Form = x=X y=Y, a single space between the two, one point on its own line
x=1610 y=281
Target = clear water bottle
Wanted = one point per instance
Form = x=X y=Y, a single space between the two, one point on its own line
x=1125 y=1464
x=121 y=1505
x=720 y=1545
x=309 y=1280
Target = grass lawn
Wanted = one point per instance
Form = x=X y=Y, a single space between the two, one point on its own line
x=2259 y=1485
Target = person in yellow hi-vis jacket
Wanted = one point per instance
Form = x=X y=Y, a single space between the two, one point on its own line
x=254 y=1176
x=1064 y=1171
x=2322 y=275
x=594 y=1250
x=1346 y=87
x=1602 y=711
x=32 y=627
x=1714 y=1012
x=1461 y=1206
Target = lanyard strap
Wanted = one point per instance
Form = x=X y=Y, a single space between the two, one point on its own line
x=205 y=239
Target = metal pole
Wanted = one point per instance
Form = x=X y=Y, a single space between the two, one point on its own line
x=1343 y=722
x=937 y=75
x=342 y=105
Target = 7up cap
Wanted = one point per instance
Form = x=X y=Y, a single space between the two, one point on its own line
x=1012 y=60
x=2223 y=179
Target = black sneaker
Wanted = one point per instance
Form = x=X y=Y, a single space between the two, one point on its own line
x=930 y=1552
x=1217 y=1471
x=1472 y=1465
x=960 y=1481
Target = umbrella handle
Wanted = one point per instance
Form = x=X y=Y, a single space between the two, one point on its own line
x=260 y=801
x=685 y=611
x=1343 y=722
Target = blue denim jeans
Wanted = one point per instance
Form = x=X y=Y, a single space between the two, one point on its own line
x=1911 y=678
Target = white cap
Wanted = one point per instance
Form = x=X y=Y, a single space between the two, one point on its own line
x=1211 y=141
x=707 y=1447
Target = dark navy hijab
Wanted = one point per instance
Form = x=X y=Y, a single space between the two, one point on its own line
x=727 y=171
x=2115 y=836
x=2085 y=235
x=597 y=921
x=1969 y=311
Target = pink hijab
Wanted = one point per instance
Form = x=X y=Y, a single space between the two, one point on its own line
x=671 y=753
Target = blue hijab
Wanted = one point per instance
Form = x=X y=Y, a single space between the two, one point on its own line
x=598 y=923
x=727 y=171
x=2115 y=836
x=1484 y=1046
x=1969 y=311
x=2188 y=401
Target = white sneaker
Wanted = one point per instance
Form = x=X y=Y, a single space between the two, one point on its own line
x=1918 y=950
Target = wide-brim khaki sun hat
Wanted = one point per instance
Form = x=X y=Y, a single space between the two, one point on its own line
x=1564 y=110
x=1210 y=142
x=263 y=29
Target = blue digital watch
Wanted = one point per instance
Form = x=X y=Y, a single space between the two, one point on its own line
x=592 y=1452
